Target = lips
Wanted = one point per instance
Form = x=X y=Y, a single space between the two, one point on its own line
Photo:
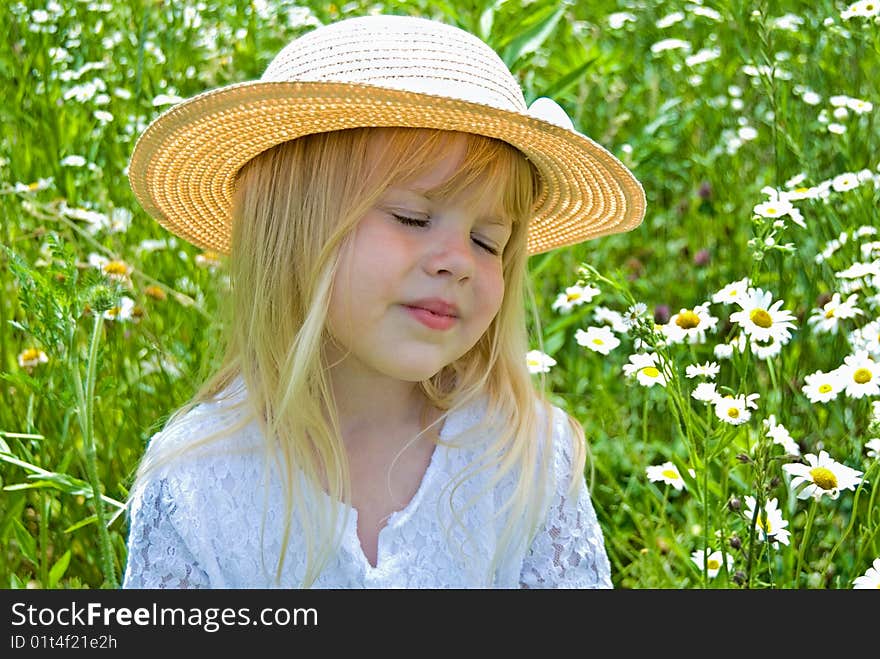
x=436 y=306
x=433 y=313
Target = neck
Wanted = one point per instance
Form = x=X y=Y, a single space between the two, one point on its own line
x=376 y=412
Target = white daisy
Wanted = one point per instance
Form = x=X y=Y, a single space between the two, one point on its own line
x=32 y=357
x=690 y=325
x=820 y=387
x=645 y=366
x=827 y=319
x=114 y=269
x=708 y=370
x=865 y=230
x=706 y=392
x=574 y=296
x=859 y=106
x=780 y=435
x=861 y=375
x=870 y=580
x=871 y=249
x=762 y=320
x=872 y=447
x=713 y=562
x=801 y=192
x=538 y=362
x=733 y=292
x=867 y=338
x=773 y=208
x=597 y=339
x=844 y=182
x=862 y=8
x=124 y=311
x=735 y=410
x=822 y=475
x=766 y=349
x=860 y=269
x=723 y=351
x=667 y=473
x=670 y=44
x=208 y=259
x=770 y=524
x=607 y=316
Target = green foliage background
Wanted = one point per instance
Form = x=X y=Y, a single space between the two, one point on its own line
x=672 y=129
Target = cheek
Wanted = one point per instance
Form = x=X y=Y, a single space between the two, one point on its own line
x=492 y=291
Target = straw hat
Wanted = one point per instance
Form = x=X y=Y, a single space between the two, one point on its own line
x=376 y=71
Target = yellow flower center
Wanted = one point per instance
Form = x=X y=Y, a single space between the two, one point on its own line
x=732 y=412
x=155 y=292
x=115 y=268
x=829 y=313
x=801 y=190
x=764 y=524
x=824 y=388
x=650 y=371
x=862 y=375
x=114 y=312
x=770 y=210
x=599 y=342
x=824 y=478
x=669 y=473
x=34 y=185
x=572 y=296
x=713 y=564
x=30 y=355
x=687 y=320
x=761 y=318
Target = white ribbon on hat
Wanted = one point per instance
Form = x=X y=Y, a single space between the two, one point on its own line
x=548 y=110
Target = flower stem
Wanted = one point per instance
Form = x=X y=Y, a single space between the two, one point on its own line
x=86 y=398
x=810 y=516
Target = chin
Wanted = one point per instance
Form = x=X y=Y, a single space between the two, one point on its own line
x=414 y=368
x=415 y=375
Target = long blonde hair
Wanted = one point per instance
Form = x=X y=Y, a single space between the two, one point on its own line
x=294 y=207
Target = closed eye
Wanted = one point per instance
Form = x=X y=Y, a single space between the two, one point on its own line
x=486 y=246
x=409 y=221
x=413 y=222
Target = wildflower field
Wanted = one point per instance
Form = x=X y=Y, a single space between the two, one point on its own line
x=723 y=358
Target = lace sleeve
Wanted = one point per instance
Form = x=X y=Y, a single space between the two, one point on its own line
x=158 y=556
x=569 y=550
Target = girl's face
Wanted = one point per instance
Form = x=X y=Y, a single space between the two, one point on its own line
x=421 y=279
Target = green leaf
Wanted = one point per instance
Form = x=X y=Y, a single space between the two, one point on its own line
x=530 y=39
x=43 y=478
x=569 y=78
x=27 y=544
x=58 y=569
x=487 y=19
x=91 y=519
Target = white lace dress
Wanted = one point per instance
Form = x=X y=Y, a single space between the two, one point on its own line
x=200 y=523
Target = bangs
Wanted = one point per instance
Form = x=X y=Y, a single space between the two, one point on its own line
x=489 y=167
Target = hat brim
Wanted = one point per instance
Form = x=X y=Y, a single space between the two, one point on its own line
x=183 y=166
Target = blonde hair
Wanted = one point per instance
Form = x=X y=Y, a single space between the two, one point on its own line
x=294 y=208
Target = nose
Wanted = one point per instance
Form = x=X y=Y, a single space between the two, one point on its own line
x=450 y=254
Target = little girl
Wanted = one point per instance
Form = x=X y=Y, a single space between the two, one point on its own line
x=373 y=423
